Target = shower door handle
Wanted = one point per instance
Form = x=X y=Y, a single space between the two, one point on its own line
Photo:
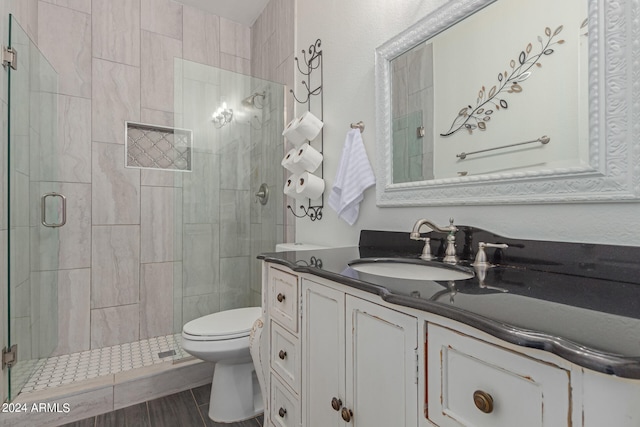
x=43 y=210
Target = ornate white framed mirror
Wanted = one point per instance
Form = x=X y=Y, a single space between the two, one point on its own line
x=497 y=102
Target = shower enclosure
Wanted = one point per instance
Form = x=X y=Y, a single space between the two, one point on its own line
x=222 y=223
x=194 y=249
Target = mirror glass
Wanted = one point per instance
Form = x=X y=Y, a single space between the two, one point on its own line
x=496 y=100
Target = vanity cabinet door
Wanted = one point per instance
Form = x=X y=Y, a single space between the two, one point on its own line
x=359 y=362
x=382 y=365
x=474 y=383
x=323 y=355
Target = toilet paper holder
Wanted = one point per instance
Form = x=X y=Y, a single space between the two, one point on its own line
x=310 y=66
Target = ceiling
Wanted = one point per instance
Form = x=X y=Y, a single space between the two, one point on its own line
x=242 y=11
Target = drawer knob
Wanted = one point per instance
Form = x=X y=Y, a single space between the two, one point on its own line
x=336 y=404
x=483 y=401
x=282 y=354
x=280 y=297
x=346 y=414
x=282 y=412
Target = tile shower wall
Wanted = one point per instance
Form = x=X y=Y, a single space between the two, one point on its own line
x=272 y=58
x=115 y=63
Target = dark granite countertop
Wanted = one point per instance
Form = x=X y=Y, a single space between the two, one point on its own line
x=579 y=301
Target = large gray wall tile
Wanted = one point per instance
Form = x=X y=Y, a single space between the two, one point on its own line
x=235 y=39
x=115 y=267
x=200 y=259
x=235 y=278
x=26 y=12
x=156 y=299
x=115 y=325
x=116 y=99
x=74 y=301
x=116 y=31
x=64 y=37
x=115 y=188
x=158 y=227
x=201 y=36
x=162 y=17
x=74 y=139
x=200 y=305
x=158 y=53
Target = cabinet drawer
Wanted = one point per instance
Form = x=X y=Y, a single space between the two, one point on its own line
x=285 y=358
x=283 y=298
x=474 y=383
x=285 y=407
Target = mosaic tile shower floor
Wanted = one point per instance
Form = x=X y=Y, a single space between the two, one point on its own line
x=68 y=368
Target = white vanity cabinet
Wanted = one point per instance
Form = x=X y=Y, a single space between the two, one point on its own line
x=339 y=356
x=474 y=383
x=359 y=361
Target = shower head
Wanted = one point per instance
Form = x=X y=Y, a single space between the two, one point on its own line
x=252 y=102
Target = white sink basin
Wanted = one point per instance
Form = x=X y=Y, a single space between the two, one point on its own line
x=403 y=269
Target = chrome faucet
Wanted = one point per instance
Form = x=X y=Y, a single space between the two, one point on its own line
x=450 y=253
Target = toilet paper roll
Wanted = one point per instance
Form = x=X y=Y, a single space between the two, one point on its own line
x=309 y=125
x=287 y=163
x=307 y=158
x=291 y=133
x=310 y=186
x=290 y=185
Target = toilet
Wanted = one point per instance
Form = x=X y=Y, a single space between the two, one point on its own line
x=223 y=338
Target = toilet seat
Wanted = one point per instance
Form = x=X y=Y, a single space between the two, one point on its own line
x=224 y=325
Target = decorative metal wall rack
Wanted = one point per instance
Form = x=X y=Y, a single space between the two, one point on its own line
x=311 y=70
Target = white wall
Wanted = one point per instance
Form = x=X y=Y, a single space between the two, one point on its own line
x=350 y=32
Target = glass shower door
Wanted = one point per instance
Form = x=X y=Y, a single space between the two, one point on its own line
x=36 y=209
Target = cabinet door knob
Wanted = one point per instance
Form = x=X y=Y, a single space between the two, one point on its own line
x=346 y=414
x=280 y=297
x=282 y=354
x=483 y=401
x=336 y=404
x=282 y=412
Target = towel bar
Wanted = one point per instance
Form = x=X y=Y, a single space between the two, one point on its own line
x=543 y=140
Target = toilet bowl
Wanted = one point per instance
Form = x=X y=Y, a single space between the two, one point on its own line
x=223 y=338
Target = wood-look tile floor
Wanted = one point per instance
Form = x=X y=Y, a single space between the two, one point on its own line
x=185 y=409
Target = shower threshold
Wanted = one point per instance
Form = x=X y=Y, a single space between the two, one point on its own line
x=85 y=365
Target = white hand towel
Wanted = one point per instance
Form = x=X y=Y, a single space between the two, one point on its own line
x=353 y=177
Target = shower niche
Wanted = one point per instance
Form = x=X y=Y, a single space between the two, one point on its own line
x=158 y=147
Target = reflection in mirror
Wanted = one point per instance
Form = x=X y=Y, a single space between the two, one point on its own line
x=412 y=114
x=468 y=100
x=491 y=101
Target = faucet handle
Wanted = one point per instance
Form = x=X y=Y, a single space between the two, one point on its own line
x=481 y=256
x=426 y=251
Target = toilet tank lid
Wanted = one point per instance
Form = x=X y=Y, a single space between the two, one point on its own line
x=284 y=247
x=224 y=323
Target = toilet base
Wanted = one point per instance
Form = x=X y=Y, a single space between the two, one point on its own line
x=235 y=393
